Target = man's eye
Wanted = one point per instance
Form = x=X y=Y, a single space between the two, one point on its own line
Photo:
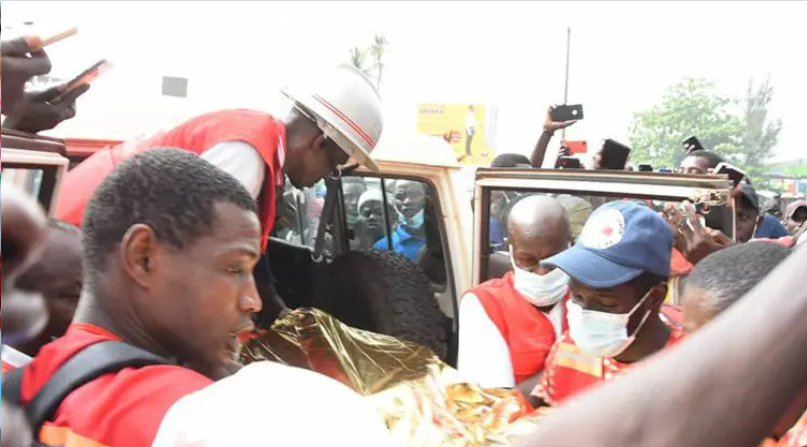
x=236 y=270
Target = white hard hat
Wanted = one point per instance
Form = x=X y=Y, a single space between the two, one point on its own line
x=348 y=110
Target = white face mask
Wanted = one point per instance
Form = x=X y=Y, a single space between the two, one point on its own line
x=540 y=290
x=415 y=221
x=601 y=334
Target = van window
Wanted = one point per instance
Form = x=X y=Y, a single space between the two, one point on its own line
x=399 y=215
x=27 y=180
x=298 y=214
x=578 y=208
x=383 y=214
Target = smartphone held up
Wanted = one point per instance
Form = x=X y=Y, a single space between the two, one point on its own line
x=85 y=77
x=691 y=144
x=735 y=174
x=566 y=112
x=614 y=155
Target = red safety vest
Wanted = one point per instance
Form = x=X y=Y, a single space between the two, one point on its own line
x=122 y=409
x=528 y=331
x=258 y=129
x=570 y=370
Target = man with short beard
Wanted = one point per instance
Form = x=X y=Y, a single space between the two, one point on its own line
x=169 y=247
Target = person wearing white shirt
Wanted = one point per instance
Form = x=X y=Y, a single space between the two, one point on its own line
x=270 y=404
x=507 y=326
x=470 y=129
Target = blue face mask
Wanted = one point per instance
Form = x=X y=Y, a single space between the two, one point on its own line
x=415 y=221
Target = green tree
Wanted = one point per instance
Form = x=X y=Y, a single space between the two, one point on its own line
x=377 y=50
x=688 y=107
x=760 y=134
x=358 y=59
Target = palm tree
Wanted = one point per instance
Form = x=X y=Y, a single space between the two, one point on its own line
x=377 y=49
x=357 y=58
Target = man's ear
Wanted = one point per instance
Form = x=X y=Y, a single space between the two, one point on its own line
x=319 y=142
x=137 y=253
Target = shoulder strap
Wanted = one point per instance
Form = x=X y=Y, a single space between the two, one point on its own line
x=84 y=367
x=12 y=386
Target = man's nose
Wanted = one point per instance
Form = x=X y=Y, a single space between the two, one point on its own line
x=542 y=270
x=250 y=300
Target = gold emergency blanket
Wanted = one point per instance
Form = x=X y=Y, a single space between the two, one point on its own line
x=421 y=398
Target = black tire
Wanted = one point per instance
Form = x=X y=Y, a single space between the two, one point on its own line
x=386 y=293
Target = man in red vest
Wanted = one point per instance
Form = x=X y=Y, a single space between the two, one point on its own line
x=339 y=120
x=619 y=268
x=169 y=246
x=508 y=325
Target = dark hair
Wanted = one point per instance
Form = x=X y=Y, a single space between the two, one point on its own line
x=171 y=190
x=509 y=161
x=731 y=273
x=713 y=158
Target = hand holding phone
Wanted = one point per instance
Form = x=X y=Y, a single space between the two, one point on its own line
x=613 y=155
x=567 y=162
x=575 y=147
x=735 y=174
x=565 y=113
x=693 y=237
x=691 y=144
x=84 y=78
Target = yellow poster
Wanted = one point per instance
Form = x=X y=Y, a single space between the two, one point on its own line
x=464 y=126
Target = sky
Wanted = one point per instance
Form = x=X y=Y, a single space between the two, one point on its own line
x=509 y=54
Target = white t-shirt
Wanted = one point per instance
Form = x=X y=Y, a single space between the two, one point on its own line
x=242 y=161
x=483 y=356
x=270 y=404
x=470 y=122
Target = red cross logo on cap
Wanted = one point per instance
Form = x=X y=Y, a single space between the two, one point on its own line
x=604 y=229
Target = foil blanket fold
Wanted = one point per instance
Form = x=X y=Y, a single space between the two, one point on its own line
x=423 y=400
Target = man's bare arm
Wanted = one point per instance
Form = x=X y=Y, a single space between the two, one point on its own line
x=726 y=386
x=539 y=152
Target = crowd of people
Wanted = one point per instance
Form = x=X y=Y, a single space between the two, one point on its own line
x=124 y=314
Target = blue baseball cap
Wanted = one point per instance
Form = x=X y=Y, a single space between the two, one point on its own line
x=620 y=241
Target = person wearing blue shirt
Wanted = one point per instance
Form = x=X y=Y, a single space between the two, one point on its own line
x=770 y=228
x=409 y=236
x=496 y=232
x=402 y=243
